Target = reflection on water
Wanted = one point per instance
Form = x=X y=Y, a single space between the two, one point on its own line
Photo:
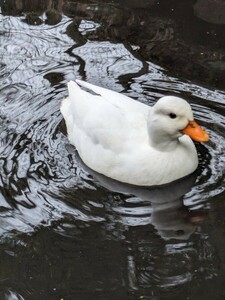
x=160 y=206
x=67 y=232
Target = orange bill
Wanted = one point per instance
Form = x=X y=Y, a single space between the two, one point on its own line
x=195 y=132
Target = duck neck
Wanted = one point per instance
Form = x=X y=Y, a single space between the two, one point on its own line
x=163 y=144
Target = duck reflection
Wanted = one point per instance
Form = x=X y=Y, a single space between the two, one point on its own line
x=170 y=217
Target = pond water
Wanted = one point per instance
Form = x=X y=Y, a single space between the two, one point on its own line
x=67 y=233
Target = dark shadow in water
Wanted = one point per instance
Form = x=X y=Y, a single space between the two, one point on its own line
x=170 y=217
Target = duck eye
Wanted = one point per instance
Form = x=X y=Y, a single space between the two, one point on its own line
x=172 y=116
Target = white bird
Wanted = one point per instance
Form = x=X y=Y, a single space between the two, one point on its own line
x=129 y=141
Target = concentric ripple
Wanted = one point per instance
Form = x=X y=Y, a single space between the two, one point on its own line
x=43 y=184
x=35 y=158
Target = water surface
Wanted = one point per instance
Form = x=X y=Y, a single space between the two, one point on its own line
x=67 y=233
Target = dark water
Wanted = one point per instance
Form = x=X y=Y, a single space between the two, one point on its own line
x=66 y=233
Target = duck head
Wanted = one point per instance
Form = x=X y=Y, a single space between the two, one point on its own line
x=169 y=119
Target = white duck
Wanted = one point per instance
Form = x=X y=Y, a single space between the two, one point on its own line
x=129 y=141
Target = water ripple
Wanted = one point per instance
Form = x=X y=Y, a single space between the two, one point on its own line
x=44 y=186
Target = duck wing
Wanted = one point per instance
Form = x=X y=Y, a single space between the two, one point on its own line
x=108 y=119
x=117 y=99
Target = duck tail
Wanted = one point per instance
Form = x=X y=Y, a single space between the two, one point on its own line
x=73 y=87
